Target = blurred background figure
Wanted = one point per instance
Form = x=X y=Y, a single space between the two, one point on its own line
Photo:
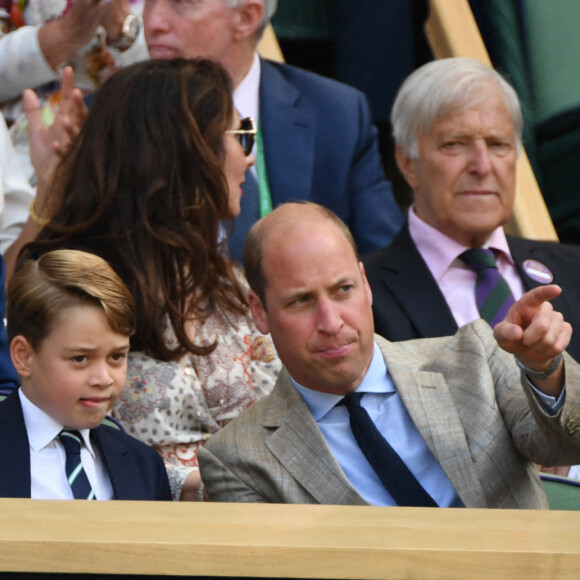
x=40 y=37
x=15 y=197
x=16 y=194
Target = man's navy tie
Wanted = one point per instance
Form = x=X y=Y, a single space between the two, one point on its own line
x=389 y=467
x=250 y=213
x=492 y=293
x=75 y=473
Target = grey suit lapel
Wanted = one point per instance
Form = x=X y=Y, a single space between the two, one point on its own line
x=301 y=448
x=288 y=122
x=428 y=400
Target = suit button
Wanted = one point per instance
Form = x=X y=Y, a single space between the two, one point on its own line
x=572 y=428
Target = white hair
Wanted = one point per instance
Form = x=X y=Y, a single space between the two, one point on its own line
x=440 y=87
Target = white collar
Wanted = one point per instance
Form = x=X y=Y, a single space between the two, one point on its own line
x=247 y=93
x=42 y=429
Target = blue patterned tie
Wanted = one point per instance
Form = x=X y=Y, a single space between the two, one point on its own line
x=389 y=467
x=77 y=478
x=250 y=213
x=492 y=293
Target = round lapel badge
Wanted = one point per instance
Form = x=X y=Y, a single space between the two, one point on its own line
x=538 y=272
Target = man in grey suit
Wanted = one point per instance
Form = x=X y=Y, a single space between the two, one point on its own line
x=466 y=421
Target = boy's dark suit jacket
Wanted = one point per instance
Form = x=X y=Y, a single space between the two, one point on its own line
x=407 y=302
x=136 y=470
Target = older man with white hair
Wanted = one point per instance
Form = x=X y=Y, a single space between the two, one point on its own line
x=457 y=125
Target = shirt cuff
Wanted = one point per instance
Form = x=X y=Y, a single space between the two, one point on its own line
x=550 y=404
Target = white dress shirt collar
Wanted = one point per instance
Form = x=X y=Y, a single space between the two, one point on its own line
x=42 y=429
x=247 y=93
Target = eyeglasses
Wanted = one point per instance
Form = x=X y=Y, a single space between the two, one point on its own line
x=246 y=134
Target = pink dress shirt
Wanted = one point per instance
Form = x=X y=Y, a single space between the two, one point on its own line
x=454 y=278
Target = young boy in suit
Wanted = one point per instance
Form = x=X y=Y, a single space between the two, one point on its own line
x=69 y=319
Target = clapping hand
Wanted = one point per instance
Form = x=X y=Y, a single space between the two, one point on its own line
x=49 y=144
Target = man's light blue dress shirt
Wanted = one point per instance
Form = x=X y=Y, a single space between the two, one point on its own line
x=386 y=409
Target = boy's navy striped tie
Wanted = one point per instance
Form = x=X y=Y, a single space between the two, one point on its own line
x=77 y=478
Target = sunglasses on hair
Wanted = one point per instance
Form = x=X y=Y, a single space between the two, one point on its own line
x=246 y=134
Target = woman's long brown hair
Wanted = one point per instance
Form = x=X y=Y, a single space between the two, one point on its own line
x=143 y=187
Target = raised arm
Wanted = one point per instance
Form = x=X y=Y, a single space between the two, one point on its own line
x=47 y=146
x=537 y=335
x=62 y=37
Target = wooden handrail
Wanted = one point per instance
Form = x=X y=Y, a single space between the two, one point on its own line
x=286 y=541
x=452 y=31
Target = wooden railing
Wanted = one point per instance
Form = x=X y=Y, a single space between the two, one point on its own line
x=452 y=31
x=286 y=541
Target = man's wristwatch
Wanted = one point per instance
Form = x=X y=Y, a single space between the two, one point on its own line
x=129 y=34
x=534 y=374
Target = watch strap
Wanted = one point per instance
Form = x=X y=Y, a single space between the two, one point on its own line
x=129 y=34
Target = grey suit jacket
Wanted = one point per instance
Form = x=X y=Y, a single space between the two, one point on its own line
x=466 y=397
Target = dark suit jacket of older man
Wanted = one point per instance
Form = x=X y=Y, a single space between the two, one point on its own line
x=465 y=395
x=407 y=302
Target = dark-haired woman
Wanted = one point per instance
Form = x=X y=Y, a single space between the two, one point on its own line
x=155 y=170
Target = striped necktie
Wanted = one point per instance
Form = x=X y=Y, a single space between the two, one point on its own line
x=385 y=461
x=492 y=293
x=77 y=478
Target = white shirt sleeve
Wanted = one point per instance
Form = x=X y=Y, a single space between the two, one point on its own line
x=16 y=194
x=22 y=63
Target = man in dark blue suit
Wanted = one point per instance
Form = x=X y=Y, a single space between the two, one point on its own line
x=315 y=137
x=457 y=126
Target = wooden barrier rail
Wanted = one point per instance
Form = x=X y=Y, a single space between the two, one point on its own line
x=290 y=541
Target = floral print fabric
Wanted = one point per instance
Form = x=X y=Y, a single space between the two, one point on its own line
x=176 y=406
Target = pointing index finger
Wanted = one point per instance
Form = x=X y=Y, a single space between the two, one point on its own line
x=537 y=296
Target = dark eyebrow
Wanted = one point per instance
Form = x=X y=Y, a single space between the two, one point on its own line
x=347 y=280
x=78 y=349
x=288 y=298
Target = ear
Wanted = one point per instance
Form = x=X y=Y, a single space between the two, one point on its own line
x=366 y=284
x=259 y=313
x=249 y=18
x=21 y=353
x=407 y=166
